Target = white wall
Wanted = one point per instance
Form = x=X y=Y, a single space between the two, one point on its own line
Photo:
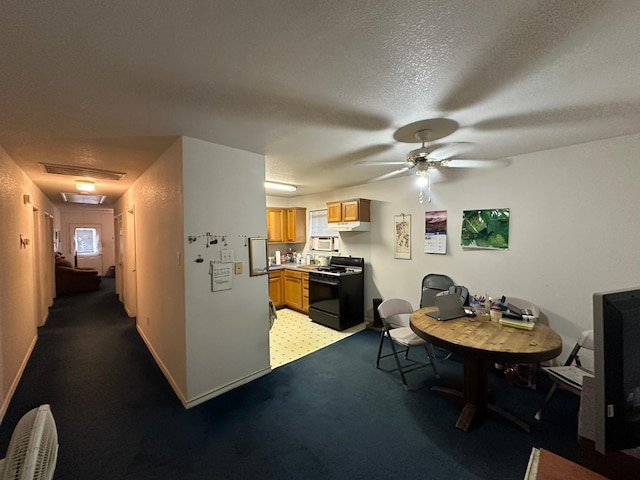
x=18 y=314
x=227 y=331
x=574 y=230
x=157 y=200
x=205 y=343
x=88 y=215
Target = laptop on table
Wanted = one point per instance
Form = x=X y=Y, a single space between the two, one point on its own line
x=449 y=306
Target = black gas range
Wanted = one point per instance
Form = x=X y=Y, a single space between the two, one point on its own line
x=336 y=293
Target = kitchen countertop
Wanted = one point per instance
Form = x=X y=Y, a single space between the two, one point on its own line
x=294 y=266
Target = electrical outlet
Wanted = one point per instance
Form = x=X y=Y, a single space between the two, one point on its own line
x=238 y=268
x=226 y=256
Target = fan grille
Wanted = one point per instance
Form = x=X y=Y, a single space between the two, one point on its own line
x=33 y=448
x=81 y=171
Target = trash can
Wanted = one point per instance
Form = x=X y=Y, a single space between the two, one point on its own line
x=377 y=321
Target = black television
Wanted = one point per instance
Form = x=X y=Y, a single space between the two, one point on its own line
x=616 y=325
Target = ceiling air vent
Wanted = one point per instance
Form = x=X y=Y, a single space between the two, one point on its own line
x=81 y=171
x=83 y=198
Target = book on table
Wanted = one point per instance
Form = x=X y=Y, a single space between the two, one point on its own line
x=513 y=322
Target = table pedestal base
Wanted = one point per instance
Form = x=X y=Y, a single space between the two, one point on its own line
x=475 y=397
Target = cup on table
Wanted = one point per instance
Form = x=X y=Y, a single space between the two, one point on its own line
x=495 y=315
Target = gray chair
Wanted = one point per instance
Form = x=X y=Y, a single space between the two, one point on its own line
x=569 y=376
x=432 y=284
x=394 y=315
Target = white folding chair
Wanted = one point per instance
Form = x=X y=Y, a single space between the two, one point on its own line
x=393 y=313
x=569 y=376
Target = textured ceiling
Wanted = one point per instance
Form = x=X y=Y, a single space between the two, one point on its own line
x=315 y=86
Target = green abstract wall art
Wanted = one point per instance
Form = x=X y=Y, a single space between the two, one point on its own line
x=485 y=229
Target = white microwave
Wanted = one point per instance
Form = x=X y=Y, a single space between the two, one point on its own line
x=327 y=244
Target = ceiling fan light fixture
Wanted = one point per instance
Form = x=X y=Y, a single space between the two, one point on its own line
x=422 y=180
x=280 y=186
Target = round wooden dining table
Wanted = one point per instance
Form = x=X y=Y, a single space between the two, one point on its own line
x=481 y=342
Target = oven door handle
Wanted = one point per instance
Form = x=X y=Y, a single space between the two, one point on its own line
x=324 y=282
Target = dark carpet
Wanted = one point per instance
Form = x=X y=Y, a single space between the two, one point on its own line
x=330 y=415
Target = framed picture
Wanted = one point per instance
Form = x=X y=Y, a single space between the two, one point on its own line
x=485 y=229
x=402 y=237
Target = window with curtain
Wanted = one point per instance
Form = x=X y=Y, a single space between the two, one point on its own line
x=318 y=224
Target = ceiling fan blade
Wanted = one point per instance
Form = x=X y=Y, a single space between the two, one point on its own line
x=443 y=152
x=371 y=162
x=388 y=175
x=464 y=163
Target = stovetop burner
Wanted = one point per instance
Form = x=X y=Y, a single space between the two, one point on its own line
x=332 y=269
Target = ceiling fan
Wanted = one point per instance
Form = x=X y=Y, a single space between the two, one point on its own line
x=427 y=158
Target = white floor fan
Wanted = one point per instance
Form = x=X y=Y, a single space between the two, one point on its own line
x=33 y=448
x=428 y=158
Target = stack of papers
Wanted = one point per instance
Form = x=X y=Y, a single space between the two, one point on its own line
x=570 y=374
x=512 y=322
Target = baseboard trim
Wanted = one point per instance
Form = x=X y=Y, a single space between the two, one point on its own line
x=187 y=404
x=230 y=386
x=14 y=384
x=163 y=368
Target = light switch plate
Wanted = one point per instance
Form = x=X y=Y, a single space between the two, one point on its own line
x=226 y=255
x=238 y=268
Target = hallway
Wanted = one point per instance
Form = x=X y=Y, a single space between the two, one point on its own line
x=103 y=386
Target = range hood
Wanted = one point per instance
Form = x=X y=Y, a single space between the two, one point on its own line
x=349 y=226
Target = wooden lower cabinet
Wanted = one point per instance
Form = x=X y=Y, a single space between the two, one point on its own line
x=305 y=292
x=290 y=288
x=276 y=291
x=293 y=289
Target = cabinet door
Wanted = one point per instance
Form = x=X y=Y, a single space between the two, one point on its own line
x=358 y=210
x=275 y=288
x=293 y=290
x=334 y=212
x=275 y=225
x=296 y=225
x=350 y=211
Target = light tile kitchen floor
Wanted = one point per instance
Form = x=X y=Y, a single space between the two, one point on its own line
x=294 y=335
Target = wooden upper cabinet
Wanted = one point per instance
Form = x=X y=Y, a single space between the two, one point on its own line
x=334 y=212
x=286 y=225
x=296 y=225
x=275 y=225
x=357 y=210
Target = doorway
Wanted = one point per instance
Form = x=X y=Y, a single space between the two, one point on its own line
x=129 y=265
x=118 y=229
